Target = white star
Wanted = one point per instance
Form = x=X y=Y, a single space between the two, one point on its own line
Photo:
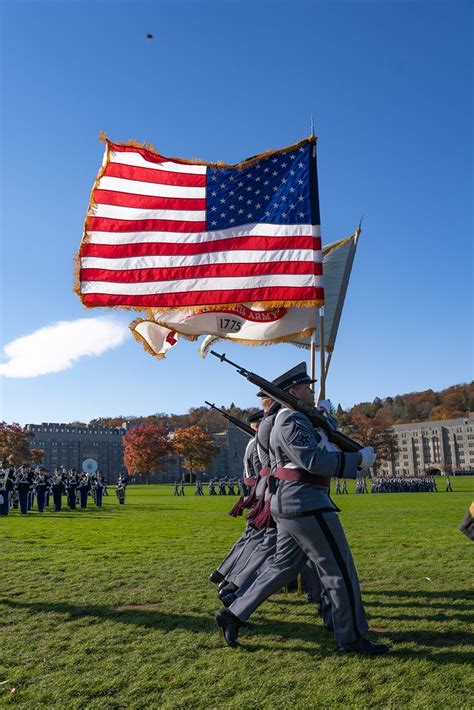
x=267 y=213
x=222 y=200
x=214 y=194
x=301 y=198
x=231 y=178
x=241 y=197
x=249 y=188
x=249 y=202
x=283 y=214
x=241 y=184
x=301 y=165
x=292 y=189
x=250 y=215
x=214 y=177
x=232 y=192
x=240 y=211
x=300 y=182
x=257 y=192
x=266 y=170
x=232 y=207
x=284 y=181
x=213 y=209
x=276 y=204
x=292 y=172
x=275 y=188
x=274 y=173
x=275 y=160
x=267 y=182
x=301 y=149
x=283 y=198
x=214 y=223
x=267 y=197
x=283 y=165
x=248 y=176
x=222 y=214
x=232 y=220
x=257 y=179
x=292 y=206
x=301 y=214
x=292 y=156
x=257 y=206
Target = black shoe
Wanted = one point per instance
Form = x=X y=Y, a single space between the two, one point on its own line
x=222 y=585
x=363 y=646
x=230 y=626
x=215 y=577
x=227 y=599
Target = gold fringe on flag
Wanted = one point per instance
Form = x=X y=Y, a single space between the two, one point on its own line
x=266 y=305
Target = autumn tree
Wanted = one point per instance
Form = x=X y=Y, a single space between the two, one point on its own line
x=14 y=444
x=196 y=448
x=377 y=433
x=145 y=448
x=37 y=456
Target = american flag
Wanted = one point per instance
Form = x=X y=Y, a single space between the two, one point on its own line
x=168 y=233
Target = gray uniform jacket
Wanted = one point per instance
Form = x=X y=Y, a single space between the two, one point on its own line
x=295 y=443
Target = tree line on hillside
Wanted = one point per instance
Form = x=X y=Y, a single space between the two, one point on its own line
x=451 y=403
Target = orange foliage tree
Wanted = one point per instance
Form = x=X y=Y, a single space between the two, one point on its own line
x=14 y=444
x=145 y=448
x=196 y=448
x=37 y=455
x=377 y=433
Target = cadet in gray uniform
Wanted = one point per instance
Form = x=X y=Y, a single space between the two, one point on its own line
x=308 y=525
x=254 y=556
x=252 y=469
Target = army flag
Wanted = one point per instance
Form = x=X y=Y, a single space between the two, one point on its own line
x=252 y=325
x=174 y=234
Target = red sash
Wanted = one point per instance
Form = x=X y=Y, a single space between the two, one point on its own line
x=302 y=476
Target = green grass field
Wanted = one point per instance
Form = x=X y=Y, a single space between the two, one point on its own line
x=112 y=608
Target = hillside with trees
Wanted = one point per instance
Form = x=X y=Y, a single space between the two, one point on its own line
x=451 y=403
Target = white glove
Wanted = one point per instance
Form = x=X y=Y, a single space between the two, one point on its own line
x=325 y=405
x=368 y=457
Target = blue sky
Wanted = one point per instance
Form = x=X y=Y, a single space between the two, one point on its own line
x=390 y=87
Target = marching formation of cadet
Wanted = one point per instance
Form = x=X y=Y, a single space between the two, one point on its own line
x=292 y=526
x=361 y=485
x=341 y=487
x=225 y=488
x=404 y=485
x=23 y=486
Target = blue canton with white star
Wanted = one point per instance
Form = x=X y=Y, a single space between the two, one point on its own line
x=274 y=189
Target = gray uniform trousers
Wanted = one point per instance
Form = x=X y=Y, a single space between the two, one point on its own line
x=310 y=578
x=252 y=560
x=247 y=542
x=320 y=538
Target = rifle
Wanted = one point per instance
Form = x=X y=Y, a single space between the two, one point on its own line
x=237 y=422
x=344 y=442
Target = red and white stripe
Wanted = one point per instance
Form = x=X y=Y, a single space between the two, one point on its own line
x=147 y=243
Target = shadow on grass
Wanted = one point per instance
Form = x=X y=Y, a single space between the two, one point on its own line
x=430 y=645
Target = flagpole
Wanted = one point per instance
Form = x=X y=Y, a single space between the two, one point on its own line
x=322 y=351
x=313 y=336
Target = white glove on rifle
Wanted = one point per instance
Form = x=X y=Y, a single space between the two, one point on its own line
x=368 y=457
x=325 y=406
